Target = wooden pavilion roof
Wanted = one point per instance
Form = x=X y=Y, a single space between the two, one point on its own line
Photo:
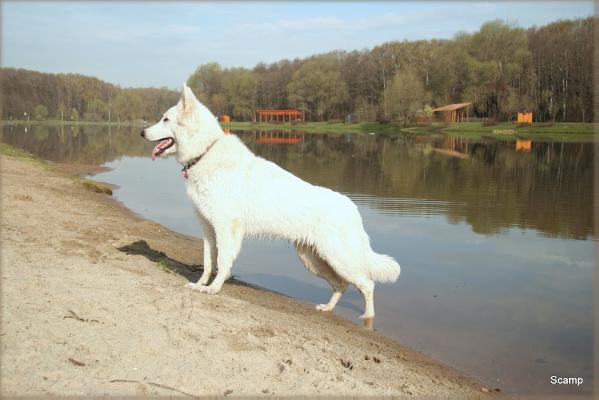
x=452 y=107
x=266 y=111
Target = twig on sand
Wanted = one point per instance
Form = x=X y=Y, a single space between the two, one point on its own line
x=123 y=380
x=154 y=384
x=77 y=363
x=191 y=310
x=170 y=388
x=75 y=316
x=78 y=318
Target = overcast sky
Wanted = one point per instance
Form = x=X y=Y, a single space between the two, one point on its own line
x=161 y=44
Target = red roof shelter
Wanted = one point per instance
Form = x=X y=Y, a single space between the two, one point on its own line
x=279 y=137
x=268 y=115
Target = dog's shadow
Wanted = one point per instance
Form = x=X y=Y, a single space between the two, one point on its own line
x=141 y=247
x=193 y=272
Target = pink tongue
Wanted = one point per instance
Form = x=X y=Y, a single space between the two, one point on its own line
x=160 y=147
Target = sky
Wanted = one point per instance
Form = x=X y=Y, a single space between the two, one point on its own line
x=139 y=44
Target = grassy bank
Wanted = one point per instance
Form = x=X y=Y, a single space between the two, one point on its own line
x=8 y=150
x=559 y=131
x=473 y=130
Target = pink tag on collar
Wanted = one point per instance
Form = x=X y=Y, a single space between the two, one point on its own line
x=184 y=173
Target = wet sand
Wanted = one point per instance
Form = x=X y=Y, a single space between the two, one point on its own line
x=94 y=303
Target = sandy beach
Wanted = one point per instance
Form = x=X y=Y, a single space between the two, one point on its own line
x=94 y=303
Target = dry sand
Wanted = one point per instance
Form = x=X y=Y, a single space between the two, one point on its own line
x=94 y=303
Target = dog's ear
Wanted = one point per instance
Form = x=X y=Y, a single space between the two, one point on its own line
x=187 y=103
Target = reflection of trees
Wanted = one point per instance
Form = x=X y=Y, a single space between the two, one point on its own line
x=78 y=144
x=549 y=189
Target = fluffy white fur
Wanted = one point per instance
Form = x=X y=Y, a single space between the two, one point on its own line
x=237 y=194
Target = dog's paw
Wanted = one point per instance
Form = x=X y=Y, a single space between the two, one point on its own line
x=194 y=286
x=203 y=282
x=366 y=316
x=208 y=289
x=324 y=307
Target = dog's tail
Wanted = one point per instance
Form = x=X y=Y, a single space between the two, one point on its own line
x=383 y=268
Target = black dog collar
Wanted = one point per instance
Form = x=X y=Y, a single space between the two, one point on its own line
x=194 y=161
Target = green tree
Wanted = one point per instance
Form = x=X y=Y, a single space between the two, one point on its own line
x=60 y=111
x=240 y=88
x=96 y=110
x=498 y=53
x=218 y=104
x=206 y=81
x=317 y=87
x=40 y=112
x=406 y=96
x=128 y=106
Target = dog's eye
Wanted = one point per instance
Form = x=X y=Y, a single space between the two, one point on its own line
x=165 y=119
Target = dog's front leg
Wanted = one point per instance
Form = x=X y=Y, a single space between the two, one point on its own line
x=228 y=243
x=209 y=258
x=209 y=261
x=209 y=251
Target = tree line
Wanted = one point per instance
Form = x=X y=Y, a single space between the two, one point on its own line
x=71 y=97
x=501 y=69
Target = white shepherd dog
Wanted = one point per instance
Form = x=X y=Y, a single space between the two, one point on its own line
x=238 y=194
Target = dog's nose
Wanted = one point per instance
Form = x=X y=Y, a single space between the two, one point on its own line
x=142 y=133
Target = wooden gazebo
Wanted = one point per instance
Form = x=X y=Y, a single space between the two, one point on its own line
x=269 y=115
x=452 y=112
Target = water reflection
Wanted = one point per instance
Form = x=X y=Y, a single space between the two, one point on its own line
x=495 y=188
x=490 y=185
x=369 y=323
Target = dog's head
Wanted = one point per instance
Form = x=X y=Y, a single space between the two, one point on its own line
x=186 y=129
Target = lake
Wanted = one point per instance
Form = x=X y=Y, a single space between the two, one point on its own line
x=495 y=238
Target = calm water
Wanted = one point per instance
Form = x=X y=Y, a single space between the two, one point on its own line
x=495 y=239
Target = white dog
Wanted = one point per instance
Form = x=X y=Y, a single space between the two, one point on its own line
x=238 y=194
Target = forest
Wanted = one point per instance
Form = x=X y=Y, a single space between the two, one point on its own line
x=501 y=69
x=72 y=97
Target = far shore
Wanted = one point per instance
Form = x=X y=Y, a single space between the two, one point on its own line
x=54 y=122
x=94 y=303
x=558 y=131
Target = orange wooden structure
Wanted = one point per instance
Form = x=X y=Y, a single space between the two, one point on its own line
x=225 y=118
x=279 y=137
x=452 y=112
x=268 y=115
x=523 y=145
x=525 y=118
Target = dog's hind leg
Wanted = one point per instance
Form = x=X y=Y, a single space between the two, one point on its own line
x=366 y=287
x=341 y=254
x=210 y=253
x=228 y=242
x=322 y=269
